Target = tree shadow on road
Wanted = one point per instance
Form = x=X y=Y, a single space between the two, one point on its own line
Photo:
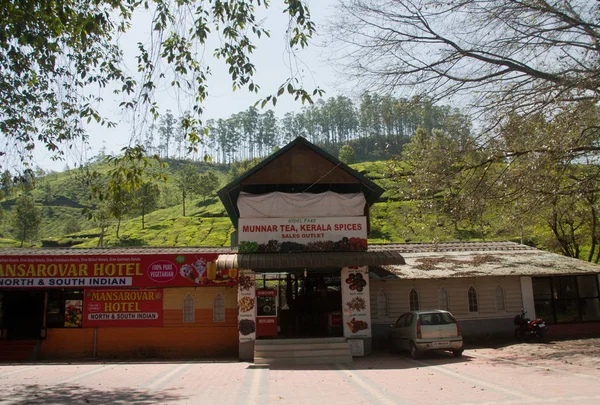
x=77 y=394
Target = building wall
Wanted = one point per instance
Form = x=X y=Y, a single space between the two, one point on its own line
x=176 y=338
x=486 y=322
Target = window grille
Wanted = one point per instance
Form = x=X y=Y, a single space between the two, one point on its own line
x=414 y=300
x=219 y=309
x=189 y=309
x=500 y=305
x=473 y=305
x=382 y=304
x=443 y=299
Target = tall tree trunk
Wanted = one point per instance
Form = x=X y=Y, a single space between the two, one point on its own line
x=593 y=231
x=183 y=198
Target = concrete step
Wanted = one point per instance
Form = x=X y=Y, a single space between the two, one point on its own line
x=304 y=360
x=301 y=353
x=301 y=346
x=299 y=340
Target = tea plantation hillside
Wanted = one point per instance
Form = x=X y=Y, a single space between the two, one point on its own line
x=63 y=200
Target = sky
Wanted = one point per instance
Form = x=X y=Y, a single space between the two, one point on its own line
x=272 y=68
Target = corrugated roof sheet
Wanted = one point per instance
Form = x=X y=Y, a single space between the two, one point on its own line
x=485 y=263
x=308 y=260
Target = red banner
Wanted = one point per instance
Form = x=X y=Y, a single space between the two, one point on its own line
x=123 y=308
x=148 y=270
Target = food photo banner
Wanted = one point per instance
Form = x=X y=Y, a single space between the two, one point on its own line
x=123 y=308
x=356 y=302
x=247 y=306
x=333 y=234
x=76 y=271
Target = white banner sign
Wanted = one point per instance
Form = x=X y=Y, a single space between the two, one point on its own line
x=247 y=306
x=66 y=282
x=341 y=234
x=356 y=303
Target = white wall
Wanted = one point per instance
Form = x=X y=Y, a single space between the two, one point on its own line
x=457 y=288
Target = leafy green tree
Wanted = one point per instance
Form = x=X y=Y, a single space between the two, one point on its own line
x=103 y=218
x=26 y=219
x=208 y=184
x=56 y=55
x=145 y=199
x=187 y=180
x=48 y=192
x=347 y=154
x=71 y=226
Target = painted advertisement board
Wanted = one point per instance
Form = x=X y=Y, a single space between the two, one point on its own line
x=110 y=271
x=356 y=302
x=123 y=308
x=333 y=234
x=247 y=306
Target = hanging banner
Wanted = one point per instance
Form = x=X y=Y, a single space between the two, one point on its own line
x=247 y=306
x=335 y=234
x=123 y=308
x=356 y=302
x=113 y=270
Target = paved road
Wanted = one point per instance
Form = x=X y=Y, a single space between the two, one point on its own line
x=481 y=376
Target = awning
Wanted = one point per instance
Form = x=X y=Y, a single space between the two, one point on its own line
x=307 y=260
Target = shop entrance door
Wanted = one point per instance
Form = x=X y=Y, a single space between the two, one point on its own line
x=314 y=305
x=23 y=314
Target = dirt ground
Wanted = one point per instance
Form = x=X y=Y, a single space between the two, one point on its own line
x=578 y=352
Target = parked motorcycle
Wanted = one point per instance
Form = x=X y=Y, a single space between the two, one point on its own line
x=528 y=329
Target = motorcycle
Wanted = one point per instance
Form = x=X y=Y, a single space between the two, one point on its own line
x=527 y=329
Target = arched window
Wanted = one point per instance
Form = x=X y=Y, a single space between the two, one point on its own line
x=443 y=299
x=414 y=300
x=382 y=304
x=500 y=306
x=219 y=309
x=189 y=309
x=473 y=305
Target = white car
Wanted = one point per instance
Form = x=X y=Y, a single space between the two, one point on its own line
x=420 y=331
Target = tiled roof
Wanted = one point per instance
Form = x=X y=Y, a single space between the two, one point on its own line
x=453 y=260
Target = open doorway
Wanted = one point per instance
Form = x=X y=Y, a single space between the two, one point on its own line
x=22 y=314
x=310 y=304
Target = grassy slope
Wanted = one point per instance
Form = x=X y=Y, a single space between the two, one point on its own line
x=207 y=224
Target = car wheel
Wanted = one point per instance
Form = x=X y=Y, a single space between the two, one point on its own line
x=457 y=353
x=414 y=352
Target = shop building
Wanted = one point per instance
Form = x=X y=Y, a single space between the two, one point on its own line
x=484 y=285
x=302 y=219
x=128 y=303
x=300 y=283
x=306 y=282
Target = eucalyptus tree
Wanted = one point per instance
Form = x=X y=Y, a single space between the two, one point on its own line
x=269 y=134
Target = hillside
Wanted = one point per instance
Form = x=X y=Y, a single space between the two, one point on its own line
x=62 y=200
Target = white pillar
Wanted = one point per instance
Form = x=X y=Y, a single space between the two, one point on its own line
x=527 y=297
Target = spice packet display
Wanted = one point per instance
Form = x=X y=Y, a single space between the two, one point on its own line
x=356 y=325
x=357 y=304
x=246 y=282
x=246 y=304
x=247 y=327
x=356 y=281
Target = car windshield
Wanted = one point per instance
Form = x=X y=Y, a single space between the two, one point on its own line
x=436 y=319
